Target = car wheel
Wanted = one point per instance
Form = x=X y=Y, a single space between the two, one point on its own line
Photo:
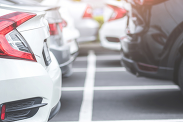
x=180 y=76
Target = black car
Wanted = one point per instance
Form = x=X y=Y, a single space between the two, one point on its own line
x=156 y=48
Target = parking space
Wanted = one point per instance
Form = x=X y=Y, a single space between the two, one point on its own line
x=123 y=78
x=77 y=77
x=137 y=105
x=101 y=90
x=71 y=103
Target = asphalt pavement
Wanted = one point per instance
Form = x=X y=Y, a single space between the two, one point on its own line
x=101 y=90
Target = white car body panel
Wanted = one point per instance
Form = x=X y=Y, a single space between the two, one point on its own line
x=115 y=28
x=30 y=79
x=21 y=79
x=87 y=27
x=64 y=50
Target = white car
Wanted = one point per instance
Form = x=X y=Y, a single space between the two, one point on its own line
x=30 y=82
x=115 y=24
x=56 y=43
x=67 y=52
x=70 y=33
x=83 y=19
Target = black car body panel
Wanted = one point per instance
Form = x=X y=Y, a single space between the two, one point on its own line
x=157 y=41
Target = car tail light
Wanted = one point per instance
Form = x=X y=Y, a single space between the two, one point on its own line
x=12 y=43
x=53 y=29
x=118 y=12
x=56 y=33
x=3 y=111
x=88 y=12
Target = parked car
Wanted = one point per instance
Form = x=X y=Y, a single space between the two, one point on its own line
x=30 y=82
x=70 y=33
x=155 y=48
x=115 y=21
x=60 y=49
x=83 y=19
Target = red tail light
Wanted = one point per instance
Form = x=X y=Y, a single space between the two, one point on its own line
x=88 y=12
x=118 y=13
x=3 y=111
x=8 y=47
x=53 y=29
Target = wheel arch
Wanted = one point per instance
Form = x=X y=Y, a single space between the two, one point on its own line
x=176 y=51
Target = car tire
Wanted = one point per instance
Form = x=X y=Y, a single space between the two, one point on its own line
x=180 y=75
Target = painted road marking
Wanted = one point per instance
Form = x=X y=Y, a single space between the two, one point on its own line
x=106 y=88
x=111 y=69
x=101 y=58
x=155 y=120
x=85 y=114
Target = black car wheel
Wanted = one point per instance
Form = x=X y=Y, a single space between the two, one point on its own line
x=180 y=76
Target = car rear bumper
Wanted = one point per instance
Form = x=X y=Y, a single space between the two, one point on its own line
x=88 y=29
x=74 y=47
x=132 y=60
x=55 y=110
x=110 y=36
x=63 y=56
x=67 y=66
x=25 y=79
x=133 y=68
x=109 y=45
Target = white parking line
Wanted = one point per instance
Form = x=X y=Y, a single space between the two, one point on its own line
x=107 y=57
x=85 y=114
x=155 y=120
x=111 y=69
x=106 y=88
x=165 y=120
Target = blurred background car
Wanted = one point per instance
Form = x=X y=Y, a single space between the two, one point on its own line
x=60 y=49
x=155 y=48
x=31 y=82
x=82 y=14
x=115 y=24
x=69 y=32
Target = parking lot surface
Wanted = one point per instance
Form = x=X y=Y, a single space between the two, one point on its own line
x=103 y=91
